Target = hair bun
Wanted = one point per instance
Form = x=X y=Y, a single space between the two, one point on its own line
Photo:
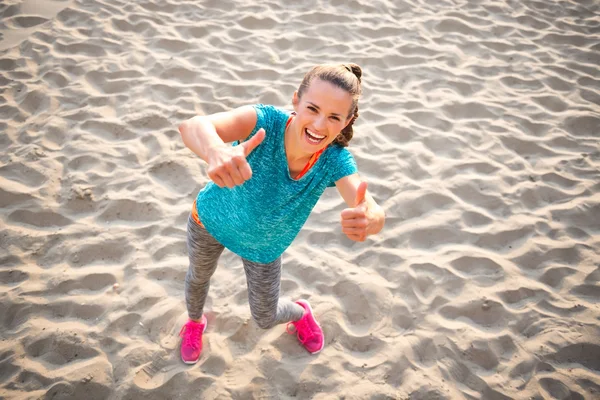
x=355 y=69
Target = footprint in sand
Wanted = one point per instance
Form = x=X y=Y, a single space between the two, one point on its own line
x=109 y=131
x=61 y=348
x=585 y=354
x=128 y=211
x=12 y=276
x=174 y=176
x=24 y=21
x=70 y=309
x=155 y=373
x=355 y=302
x=360 y=344
x=589 y=292
x=125 y=323
x=481 y=268
x=90 y=282
x=22 y=174
x=40 y=219
x=485 y=314
x=558 y=390
x=520 y=297
x=104 y=251
x=555 y=276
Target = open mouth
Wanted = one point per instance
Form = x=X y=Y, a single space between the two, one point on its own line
x=312 y=137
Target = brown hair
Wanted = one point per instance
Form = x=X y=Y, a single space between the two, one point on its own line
x=344 y=76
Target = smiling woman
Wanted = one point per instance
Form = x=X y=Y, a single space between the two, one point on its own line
x=263 y=189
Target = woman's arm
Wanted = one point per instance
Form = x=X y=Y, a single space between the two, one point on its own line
x=206 y=137
x=203 y=133
x=364 y=217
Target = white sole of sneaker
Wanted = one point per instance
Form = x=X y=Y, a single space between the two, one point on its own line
x=311 y=311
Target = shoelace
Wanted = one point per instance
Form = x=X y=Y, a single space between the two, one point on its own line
x=301 y=326
x=190 y=333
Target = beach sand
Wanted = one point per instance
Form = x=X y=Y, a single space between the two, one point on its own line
x=479 y=135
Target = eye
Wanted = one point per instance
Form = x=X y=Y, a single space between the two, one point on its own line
x=311 y=108
x=335 y=118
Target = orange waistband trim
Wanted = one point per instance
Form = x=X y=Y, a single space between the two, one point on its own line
x=195 y=216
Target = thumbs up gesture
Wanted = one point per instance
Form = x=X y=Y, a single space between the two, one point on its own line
x=361 y=220
x=227 y=166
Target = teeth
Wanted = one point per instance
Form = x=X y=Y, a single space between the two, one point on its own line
x=315 y=135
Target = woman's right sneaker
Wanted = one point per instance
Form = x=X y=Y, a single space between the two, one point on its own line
x=191 y=340
x=308 y=330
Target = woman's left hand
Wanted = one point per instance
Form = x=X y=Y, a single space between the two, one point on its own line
x=364 y=219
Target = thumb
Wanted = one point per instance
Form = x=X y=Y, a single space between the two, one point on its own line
x=253 y=142
x=360 y=193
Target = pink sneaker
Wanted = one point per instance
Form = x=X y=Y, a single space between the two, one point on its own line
x=308 y=330
x=191 y=340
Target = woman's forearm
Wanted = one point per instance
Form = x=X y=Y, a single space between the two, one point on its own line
x=200 y=136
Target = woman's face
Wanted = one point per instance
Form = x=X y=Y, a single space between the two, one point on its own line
x=321 y=114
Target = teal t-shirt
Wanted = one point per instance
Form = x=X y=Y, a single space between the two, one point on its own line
x=259 y=219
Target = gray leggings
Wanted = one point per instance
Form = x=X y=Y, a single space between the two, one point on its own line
x=263 y=281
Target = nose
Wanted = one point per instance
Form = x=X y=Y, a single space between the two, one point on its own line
x=320 y=123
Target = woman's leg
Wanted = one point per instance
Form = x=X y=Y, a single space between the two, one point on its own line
x=204 y=252
x=263 y=294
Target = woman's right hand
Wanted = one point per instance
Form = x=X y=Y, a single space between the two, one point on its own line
x=227 y=166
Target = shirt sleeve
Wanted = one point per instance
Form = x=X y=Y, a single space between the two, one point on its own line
x=345 y=165
x=264 y=119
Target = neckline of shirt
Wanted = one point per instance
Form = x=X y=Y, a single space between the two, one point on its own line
x=311 y=162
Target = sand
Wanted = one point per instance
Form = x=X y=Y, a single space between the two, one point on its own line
x=479 y=135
